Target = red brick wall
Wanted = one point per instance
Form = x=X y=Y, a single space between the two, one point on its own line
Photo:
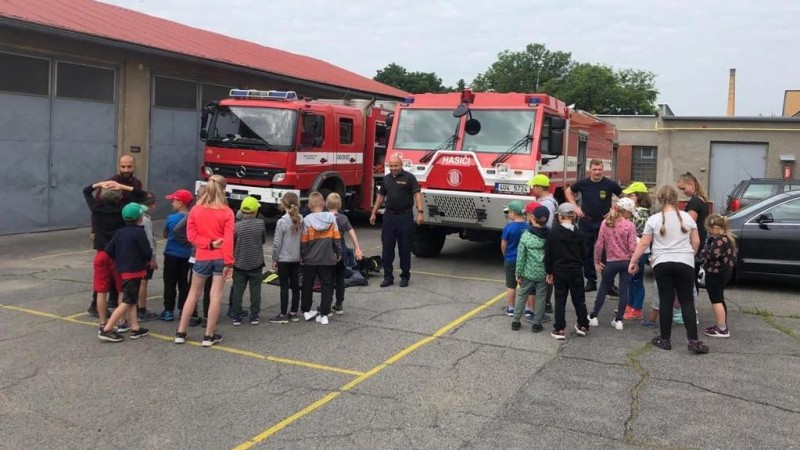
x=624 y=162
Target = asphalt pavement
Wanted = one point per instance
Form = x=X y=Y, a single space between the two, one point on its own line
x=433 y=366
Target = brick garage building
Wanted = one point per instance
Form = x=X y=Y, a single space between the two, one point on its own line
x=720 y=151
x=84 y=82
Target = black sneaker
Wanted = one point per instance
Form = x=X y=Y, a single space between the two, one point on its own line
x=337 y=309
x=124 y=327
x=591 y=286
x=663 y=344
x=697 y=347
x=294 y=317
x=208 y=341
x=613 y=291
x=548 y=308
x=515 y=326
x=93 y=311
x=386 y=282
x=254 y=319
x=141 y=332
x=195 y=321
x=403 y=282
x=237 y=320
x=110 y=336
x=180 y=338
x=537 y=328
x=280 y=318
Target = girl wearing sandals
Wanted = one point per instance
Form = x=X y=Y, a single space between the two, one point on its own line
x=209 y=228
x=675 y=241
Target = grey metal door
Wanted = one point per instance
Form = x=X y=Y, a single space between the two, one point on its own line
x=732 y=162
x=174 y=135
x=24 y=152
x=83 y=151
x=173 y=154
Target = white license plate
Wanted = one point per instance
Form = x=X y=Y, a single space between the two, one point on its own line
x=508 y=188
x=237 y=196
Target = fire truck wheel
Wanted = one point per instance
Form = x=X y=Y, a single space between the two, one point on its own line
x=427 y=241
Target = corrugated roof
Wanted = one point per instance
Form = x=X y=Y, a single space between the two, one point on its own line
x=111 y=22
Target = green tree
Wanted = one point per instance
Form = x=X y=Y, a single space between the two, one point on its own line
x=592 y=87
x=413 y=82
x=534 y=69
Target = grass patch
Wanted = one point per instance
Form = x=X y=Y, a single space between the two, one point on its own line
x=757 y=312
x=781 y=327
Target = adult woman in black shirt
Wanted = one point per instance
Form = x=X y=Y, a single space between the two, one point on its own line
x=697 y=207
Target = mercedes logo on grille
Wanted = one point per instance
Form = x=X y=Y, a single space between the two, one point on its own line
x=241 y=171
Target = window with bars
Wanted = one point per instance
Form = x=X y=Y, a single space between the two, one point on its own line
x=644 y=164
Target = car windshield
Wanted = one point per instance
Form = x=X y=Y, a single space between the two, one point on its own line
x=253 y=128
x=424 y=129
x=501 y=130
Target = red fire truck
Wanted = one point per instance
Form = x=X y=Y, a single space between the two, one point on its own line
x=473 y=153
x=267 y=143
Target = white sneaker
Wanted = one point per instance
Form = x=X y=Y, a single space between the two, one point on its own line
x=310 y=315
x=323 y=320
x=616 y=324
x=593 y=322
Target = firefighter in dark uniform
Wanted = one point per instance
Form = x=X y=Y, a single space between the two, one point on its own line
x=403 y=209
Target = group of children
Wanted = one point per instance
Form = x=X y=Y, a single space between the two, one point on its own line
x=205 y=245
x=538 y=259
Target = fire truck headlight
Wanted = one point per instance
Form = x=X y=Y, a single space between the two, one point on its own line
x=278 y=177
x=208 y=171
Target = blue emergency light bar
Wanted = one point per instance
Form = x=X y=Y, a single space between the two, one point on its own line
x=263 y=95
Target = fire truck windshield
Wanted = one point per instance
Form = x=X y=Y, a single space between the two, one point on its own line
x=253 y=128
x=424 y=129
x=500 y=130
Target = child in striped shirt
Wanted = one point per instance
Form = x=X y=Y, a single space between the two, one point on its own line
x=249 y=236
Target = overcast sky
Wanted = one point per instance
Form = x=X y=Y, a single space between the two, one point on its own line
x=690 y=45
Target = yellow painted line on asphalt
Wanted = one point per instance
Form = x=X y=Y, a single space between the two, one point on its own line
x=292 y=362
x=457 y=277
x=271 y=431
x=76 y=252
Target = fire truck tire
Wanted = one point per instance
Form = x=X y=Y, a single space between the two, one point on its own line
x=427 y=241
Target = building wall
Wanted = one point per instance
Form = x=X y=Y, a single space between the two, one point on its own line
x=135 y=72
x=685 y=145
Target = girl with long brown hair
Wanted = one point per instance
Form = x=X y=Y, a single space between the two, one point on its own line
x=286 y=257
x=675 y=240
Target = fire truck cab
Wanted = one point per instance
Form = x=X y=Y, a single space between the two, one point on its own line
x=473 y=153
x=268 y=143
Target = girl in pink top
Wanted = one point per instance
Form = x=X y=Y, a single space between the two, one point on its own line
x=617 y=240
x=209 y=228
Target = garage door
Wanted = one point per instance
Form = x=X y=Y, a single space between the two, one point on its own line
x=176 y=151
x=732 y=162
x=57 y=134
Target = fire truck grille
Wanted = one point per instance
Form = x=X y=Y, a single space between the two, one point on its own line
x=244 y=172
x=456 y=207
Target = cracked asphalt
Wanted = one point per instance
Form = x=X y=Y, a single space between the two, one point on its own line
x=434 y=365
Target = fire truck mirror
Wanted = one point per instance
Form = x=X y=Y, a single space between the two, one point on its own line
x=472 y=127
x=558 y=123
x=555 y=146
x=461 y=111
x=389 y=120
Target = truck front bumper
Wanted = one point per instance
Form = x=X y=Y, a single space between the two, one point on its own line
x=472 y=210
x=267 y=196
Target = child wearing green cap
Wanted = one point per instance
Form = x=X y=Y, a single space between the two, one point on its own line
x=249 y=236
x=131 y=253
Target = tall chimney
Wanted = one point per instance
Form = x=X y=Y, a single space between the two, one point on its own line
x=732 y=93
